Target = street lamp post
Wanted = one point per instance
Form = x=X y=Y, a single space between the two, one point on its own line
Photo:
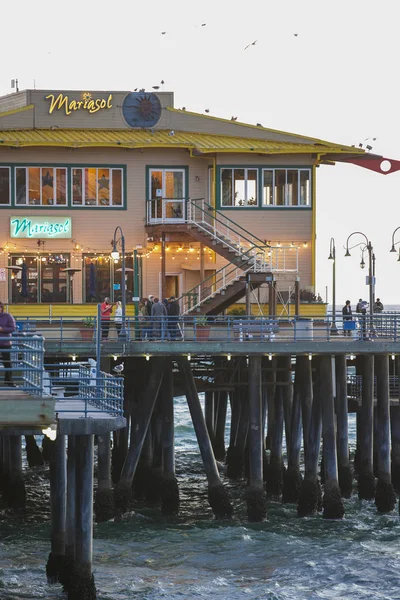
x=371 y=270
x=115 y=256
x=332 y=256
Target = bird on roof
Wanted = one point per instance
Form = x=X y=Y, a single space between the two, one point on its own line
x=259 y=125
x=207 y=110
x=162 y=81
x=252 y=44
x=295 y=34
x=233 y=118
x=171 y=133
x=203 y=24
x=119 y=368
x=156 y=87
x=163 y=32
x=183 y=107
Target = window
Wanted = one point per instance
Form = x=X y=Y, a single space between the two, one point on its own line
x=39 y=278
x=40 y=186
x=5 y=188
x=239 y=187
x=167 y=191
x=103 y=277
x=286 y=187
x=97 y=187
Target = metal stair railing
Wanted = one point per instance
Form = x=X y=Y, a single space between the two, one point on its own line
x=211 y=286
x=266 y=258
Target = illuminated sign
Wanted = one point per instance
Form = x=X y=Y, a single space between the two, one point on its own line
x=87 y=102
x=39 y=227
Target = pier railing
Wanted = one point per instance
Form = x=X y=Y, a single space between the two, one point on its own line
x=69 y=335
x=22 y=363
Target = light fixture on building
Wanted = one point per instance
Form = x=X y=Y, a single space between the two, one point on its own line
x=189 y=356
x=173 y=257
x=147 y=356
x=352 y=356
x=73 y=357
x=310 y=356
x=393 y=356
x=229 y=356
x=115 y=357
x=305 y=244
x=270 y=356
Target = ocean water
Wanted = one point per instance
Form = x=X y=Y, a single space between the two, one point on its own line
x=192 y=556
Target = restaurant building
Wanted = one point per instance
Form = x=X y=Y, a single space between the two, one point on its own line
x=76 y=165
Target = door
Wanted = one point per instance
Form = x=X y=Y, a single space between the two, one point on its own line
x=166 y=203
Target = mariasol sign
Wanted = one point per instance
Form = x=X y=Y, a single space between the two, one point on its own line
x=40 y=227
x=86 y=102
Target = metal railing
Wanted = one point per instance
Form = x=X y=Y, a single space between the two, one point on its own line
x=68 y=335
x=355 y=386
x=22 y=363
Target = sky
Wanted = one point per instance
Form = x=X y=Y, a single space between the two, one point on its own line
x=336 y=80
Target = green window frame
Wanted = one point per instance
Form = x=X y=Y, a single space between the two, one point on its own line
x=43 y=186
x=5 y=186
x=260 y=187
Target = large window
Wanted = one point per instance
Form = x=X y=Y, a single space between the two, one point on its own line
x=103 y=278
x=239 y=187
x=41 y=186
x=286 y=187
x=97 y=187
x=39 y=278
x=167 y=192
x=5 y=187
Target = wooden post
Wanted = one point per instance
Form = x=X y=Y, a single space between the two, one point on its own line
x=239 y=425
x=169 y=487
x=270 y=389
x=385 y=498
x=71 y=500
x=255 y=495
x=219 y=441
x=163 y=269
x=104 y=502
x=306 y=393
x=292 y=478
x=366 y=479
x=16 y=496
x=33 y=453
x=274 y=476
x=310 y=490
x=297 y=297
x=344 y=470
x=285 y=376
x=395 y=437
x=248 y=295
x=81 y=585
x=202 y=270
x=332 y=501
x=209 y=412
x=217 y=494
x=144 y=410
x=58 y=500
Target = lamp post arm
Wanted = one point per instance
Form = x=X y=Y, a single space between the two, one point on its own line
x=355 y=233
x=393 y=244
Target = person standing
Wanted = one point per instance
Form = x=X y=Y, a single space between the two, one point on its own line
x=347 y=316
x=378 y=306
x=158 y=314
x=173 y=318
x=118 y=317
x=105 y=315
x=7 y=327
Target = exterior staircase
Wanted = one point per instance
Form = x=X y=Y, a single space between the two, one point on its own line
x=250 y=258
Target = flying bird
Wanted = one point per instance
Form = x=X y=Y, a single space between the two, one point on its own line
x=118 y=368
x=163 y=32
x=295 y=34
x=252 y=44
x=203 y=24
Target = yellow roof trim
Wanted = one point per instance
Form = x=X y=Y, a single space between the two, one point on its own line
x=202 y=143
x=256 y=127
x=14 y=111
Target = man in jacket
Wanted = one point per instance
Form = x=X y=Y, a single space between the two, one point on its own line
x=346 y=312
x=7 y=327
x=173 y=318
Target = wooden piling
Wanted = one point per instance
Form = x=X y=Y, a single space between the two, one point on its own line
x=385 y=498
x=33 y=453
x=275 y=469
x=292 y=477
x=81 y=585
x=58 y=501
x=217 y=494
x=219 y=439
x=366 y=479
x=333 y=507
x=310 y=500
x=104 y=501
x=144 y=410
x=255 y=494
x=395 y=437
x=16 y=495
x=209 y=413
x=306 y=384
x=344 y=471
x=71 y=500
x=169 y=485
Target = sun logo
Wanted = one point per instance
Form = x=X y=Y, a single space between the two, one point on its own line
x=86 y=96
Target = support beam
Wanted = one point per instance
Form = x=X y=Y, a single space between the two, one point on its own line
x=58 y=499
x=385 y=498
x=292 y=477
x=169 y=486
x=217 y=494
x=366 y=479
x=104 y=502
x=344 y=471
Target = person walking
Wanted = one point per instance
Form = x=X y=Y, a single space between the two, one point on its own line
x=173 y=318
x=118 y=317
x=158 y=314
x=7 y=327
x=347 y=316
x=105 y=316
